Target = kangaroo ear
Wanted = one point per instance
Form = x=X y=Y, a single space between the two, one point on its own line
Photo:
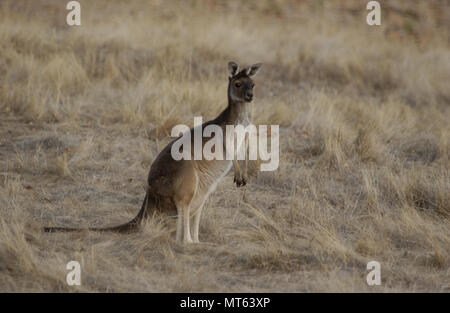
x=253 y=69
x=233 y=69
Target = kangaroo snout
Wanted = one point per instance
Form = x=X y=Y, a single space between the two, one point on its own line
x=248 y=96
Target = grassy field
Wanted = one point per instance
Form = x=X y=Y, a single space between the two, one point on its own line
x=364 y=144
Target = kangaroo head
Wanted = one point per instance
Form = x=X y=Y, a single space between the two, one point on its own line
x=241 y=84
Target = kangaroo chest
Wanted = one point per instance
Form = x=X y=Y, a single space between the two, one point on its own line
x=212 y=172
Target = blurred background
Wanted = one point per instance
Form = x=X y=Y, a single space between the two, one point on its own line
x=139 y=56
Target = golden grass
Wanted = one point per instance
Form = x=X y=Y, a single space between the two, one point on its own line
x=363 y=114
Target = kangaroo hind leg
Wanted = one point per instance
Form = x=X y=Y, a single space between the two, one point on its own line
x=197 y=223
x=183 y=200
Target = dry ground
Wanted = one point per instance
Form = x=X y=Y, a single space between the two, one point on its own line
x=364 y=172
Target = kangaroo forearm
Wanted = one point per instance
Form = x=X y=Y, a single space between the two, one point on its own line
x=237 y=169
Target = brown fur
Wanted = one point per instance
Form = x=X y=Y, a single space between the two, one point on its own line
x=181 y=187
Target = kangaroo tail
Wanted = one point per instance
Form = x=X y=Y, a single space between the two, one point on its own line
x=128 y=227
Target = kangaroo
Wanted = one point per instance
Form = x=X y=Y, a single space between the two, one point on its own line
x=181 y=187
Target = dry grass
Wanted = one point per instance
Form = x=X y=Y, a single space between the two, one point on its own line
x=364 y=171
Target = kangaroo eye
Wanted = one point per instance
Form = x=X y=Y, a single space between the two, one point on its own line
x=238 y=85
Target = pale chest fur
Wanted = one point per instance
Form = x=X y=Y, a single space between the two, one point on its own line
x=218 y=169
x=237 y=139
